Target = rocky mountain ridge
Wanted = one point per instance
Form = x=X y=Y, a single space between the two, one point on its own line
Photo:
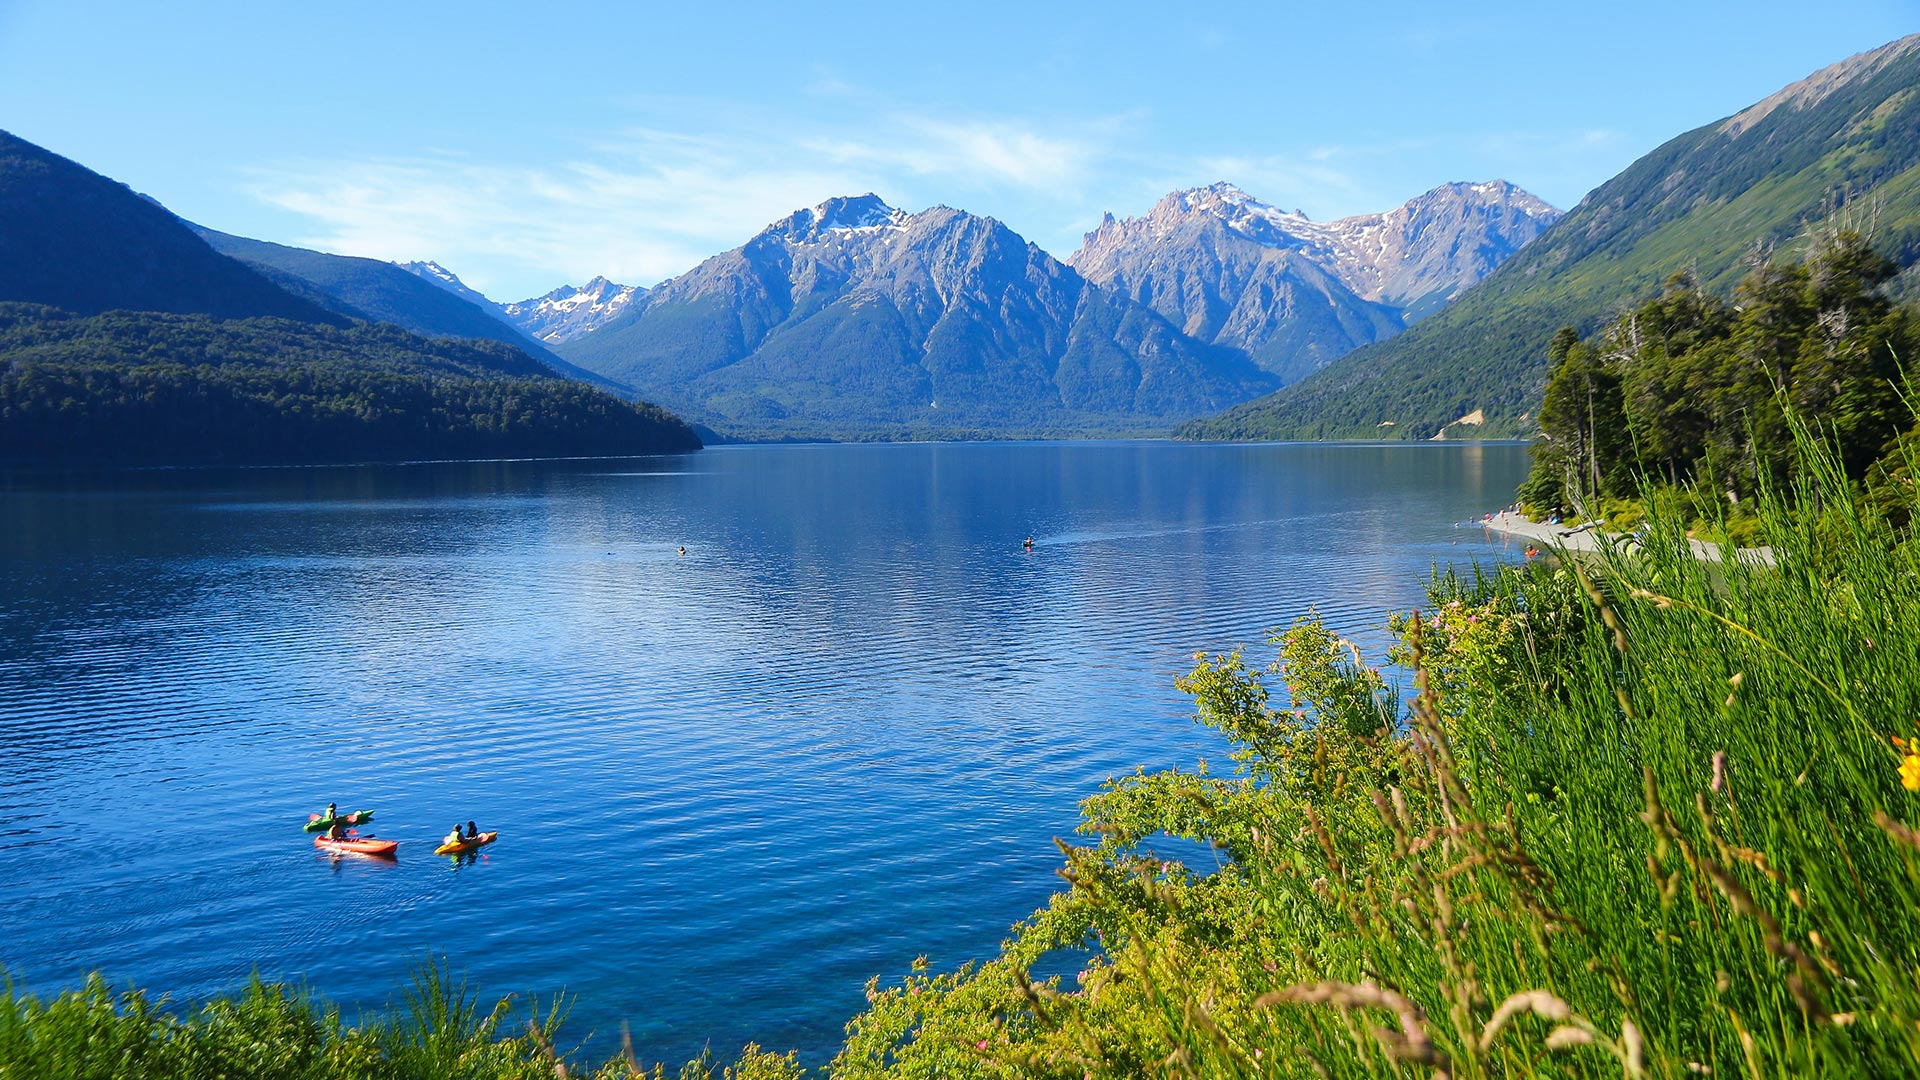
x=1294 y=293
x=855 y=318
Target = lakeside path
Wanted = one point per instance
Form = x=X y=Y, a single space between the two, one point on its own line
x=1590 y=539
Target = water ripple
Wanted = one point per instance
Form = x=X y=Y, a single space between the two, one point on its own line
x=841 y=731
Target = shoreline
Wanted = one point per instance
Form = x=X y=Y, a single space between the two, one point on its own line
x=1586 y=538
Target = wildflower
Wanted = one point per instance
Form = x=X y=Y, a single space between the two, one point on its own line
x=981 y=1045
x=1910 y=771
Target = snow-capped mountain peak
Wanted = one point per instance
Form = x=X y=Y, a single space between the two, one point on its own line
x=841 y=214
x=568 y=311
x=1397 y=257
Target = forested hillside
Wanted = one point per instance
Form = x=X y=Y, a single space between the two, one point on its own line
x=140 y=388
x=74 y=239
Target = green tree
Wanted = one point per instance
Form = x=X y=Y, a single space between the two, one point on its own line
x=1583 y=416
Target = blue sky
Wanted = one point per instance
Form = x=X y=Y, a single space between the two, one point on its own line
x=527 y=146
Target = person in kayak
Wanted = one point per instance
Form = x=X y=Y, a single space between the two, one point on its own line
x=453 y=837
x=328 y=815
x=473 y=831
x=337 y=831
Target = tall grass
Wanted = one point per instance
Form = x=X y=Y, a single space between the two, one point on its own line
x=1657 y=830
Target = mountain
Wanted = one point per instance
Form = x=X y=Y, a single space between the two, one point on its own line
x=385 y=292
x=853 y=318
x=126 y=339
x=435 y=274
x=563 y=314
x=73 y=239
x=568 y=312
x=151 y=388
x=369 y=289
x=1296 y=294
x=1839 y=147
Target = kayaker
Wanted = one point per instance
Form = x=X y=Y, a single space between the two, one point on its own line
x=453 y=837
x=337 y=831
x=472 y=830
x=328 y=816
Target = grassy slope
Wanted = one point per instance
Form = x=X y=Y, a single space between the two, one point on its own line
x=1703 y=200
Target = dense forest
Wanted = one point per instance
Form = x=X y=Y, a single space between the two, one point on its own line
x=155 y=389
x=1690 y=388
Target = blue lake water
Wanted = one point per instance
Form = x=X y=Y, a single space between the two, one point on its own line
x=837 y=733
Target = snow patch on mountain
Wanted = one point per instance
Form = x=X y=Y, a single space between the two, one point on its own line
x=858 y=213
x=1370 y=253
x=1294 y=293
x=450 y=281
x=565 y=313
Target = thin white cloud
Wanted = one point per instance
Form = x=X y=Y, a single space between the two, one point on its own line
x=645 y=203
x=974 y=153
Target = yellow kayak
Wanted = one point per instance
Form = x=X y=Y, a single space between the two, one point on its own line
x=464 y=846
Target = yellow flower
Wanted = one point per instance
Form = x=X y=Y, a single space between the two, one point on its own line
x=1910 y=772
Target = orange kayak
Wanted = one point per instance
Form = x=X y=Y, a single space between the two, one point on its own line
x=357 y=847
x=465 y=846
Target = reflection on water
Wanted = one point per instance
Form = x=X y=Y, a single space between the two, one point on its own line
x=837 y=733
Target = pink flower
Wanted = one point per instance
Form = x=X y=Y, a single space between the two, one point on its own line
x=981 y=1045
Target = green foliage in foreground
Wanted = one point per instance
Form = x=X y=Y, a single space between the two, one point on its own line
x=270 y=1031
x=1644 y=818
x=141 y=388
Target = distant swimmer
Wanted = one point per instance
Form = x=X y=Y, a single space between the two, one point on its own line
x=1532 y=551
x=1028 y=544
x=683 y=549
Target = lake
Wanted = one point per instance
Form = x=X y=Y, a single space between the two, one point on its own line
x=839 y=732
